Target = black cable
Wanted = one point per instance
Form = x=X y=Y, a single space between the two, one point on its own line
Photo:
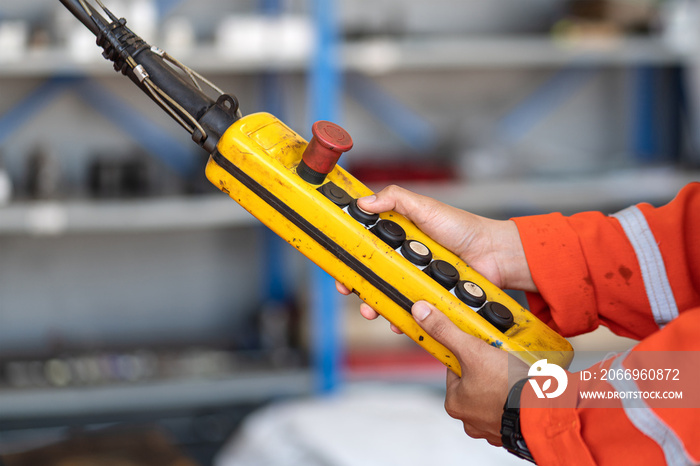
x=145 y=66
x=79 y=12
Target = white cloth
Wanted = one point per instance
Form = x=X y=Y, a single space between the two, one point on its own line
x=362 y=426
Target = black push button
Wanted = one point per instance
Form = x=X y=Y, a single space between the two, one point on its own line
x=360 y=215
x=416 y=252
x=389 y=232
x=444 y=273
x=336 y=194
x=470 y=293
x=497 y=315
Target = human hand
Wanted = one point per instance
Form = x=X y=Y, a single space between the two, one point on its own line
x=492 y=247
x=477 y=397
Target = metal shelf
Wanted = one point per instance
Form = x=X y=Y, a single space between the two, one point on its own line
x=243 y=388
x=376 y=56
x=60 y=62
x=382 y=56
x=138 y=215
x=568 y=193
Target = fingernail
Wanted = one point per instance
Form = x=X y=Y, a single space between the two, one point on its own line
x=368 y=199
x=421 y=310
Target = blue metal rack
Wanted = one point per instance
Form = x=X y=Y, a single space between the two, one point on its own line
x=148 y=134
x=324 y=90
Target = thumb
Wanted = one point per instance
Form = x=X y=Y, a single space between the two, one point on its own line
x=441 y=328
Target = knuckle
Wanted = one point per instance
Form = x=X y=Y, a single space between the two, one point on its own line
x=451 y=408
x=395 y=193
x=439 y=330
x=474 y=432
x=393 y=190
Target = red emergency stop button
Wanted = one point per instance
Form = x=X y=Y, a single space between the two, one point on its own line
x=327 y=145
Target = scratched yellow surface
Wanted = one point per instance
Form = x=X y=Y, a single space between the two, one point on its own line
x=268 y=151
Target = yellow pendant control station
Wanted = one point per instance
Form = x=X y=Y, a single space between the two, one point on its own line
x=299 y=191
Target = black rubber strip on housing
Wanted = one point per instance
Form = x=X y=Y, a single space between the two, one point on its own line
x=313 y=232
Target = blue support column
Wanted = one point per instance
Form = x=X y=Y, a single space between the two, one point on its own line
x=324 y=96
x=658 y=106
x=687 y=138
x=324 y=78
x=644 y=137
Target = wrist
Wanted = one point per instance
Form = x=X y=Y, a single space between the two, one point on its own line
x=511 y=260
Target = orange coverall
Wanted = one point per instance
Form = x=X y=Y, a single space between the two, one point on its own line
x=638 y=273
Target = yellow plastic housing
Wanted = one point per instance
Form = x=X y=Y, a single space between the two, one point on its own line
x=256 y=165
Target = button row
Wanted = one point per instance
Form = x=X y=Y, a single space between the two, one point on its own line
x=419 y=254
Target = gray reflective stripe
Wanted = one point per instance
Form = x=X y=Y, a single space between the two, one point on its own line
x=659 y=293
x=644 y=419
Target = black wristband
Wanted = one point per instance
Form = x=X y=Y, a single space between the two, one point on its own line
x=511 y=435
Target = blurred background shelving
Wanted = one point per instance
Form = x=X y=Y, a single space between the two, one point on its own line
x=162 y=214
x=115 y=253
x=384 y=55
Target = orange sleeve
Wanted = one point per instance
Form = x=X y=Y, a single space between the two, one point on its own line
x=574 y=431
x=587 y=271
